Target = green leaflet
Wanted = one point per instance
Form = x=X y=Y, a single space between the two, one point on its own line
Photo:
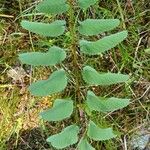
x=53 y=29
x=84 y=4
x=66 y=137
x=147 y=50
x=54 y=56
x=91 y=27
x=105 y=104
x=102 y=45
x=92 y=77
x=84 y=145
x=61 y=109
x=55 y=83
x=99 y=134
x=52 y=6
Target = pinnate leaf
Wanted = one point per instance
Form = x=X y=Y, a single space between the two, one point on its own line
x=61 y=109
x=84 y=145
x=84 y=4
x=96 y=26
x=92 y=77
x=66 y=137
x=105 y=104
x=53 y=29
x=55 y=83
x=54 y=56
x=102 y=45
x=99 y=134
x=52 y=6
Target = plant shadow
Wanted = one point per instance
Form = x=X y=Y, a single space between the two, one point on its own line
x=33 y=139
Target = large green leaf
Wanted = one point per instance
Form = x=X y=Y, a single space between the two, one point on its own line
x=99 y=134
x=102 y=45
x=62 y=109
x=67 y=137
x=92 y=77
x=52 y=6
x=54 y=56
x=51 y=30
x=105 y=104
x=84 y=145
x=84 y=4
x=55 y=83
x=97 y=26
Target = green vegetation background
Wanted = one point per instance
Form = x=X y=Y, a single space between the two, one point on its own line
x=20 y=127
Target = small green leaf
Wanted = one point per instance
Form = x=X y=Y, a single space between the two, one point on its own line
x=96 y=26
x=62 y=109
x=147 y=50
x=102 y=45
x=105 y=104
x=55 y=83
x=99 y=134
x=84 y=145
x=51 y=30
x=92 y=77
x=54 y=56
x=84 y=4
x=52 y=6
x=66 y=137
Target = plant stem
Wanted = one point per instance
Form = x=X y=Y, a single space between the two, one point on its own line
x=73 y=48
x=121 y=13
x=72 y=29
